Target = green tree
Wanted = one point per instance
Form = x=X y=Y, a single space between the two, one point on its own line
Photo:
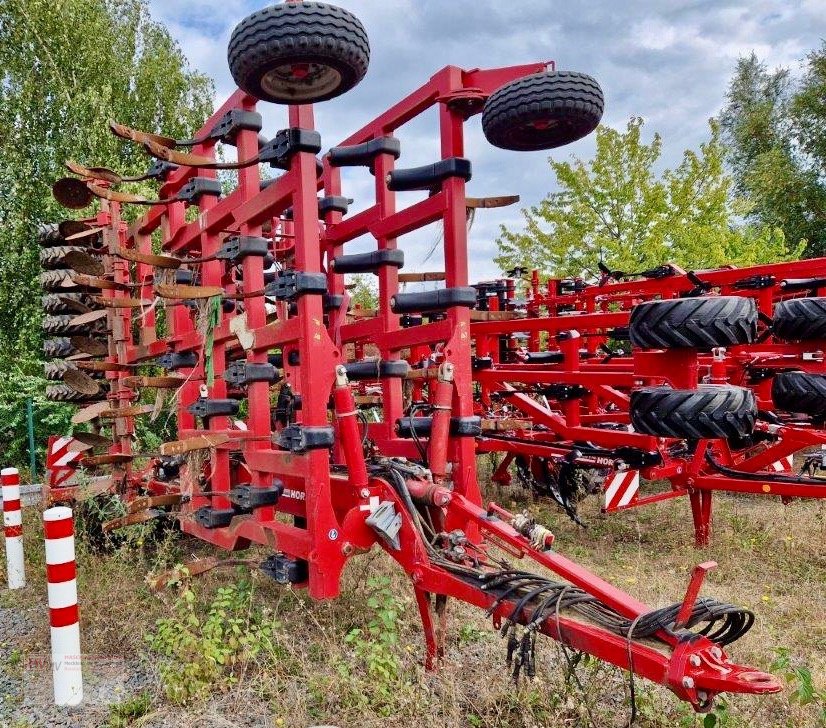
x=618 y=210
x=775 y=129
x=66 y=68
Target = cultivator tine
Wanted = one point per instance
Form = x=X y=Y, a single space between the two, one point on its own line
x=154 y=501
x=94 y=281
x=77 y=446
x=101 y=173
x=105 y=366
x=92 y=439
x=81 y=235
x=193 y=444
x=135 y=410
x=95 y=461
x=122 y=302
x=93 y=347
x=421 y=277
x=157 y=261
x=132 y=519
x=195 y=568
x=488 y=203
x=89 y=317
x=185 y=159
x=153 y=382
x=69 y=228
x=105 y=193
x=180 y=291
x=87 y=414
x=140 y=137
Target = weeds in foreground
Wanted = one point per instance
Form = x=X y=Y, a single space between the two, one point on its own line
x=203 y=651
x=123 y=714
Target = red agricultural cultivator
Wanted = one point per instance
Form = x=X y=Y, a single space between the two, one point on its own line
x=708 y=380
x=318 y=430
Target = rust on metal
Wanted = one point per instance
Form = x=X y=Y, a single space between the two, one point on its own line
x=134 y=410
x=89 y=317
x=176 y=290
x=92 y=439
x=101 y=173
x=154 y=501
x=72 y=193
x=94 y=347
x=89 y=281
x=506 y=424
x=165 y=153
x=194 y=568
x=68 y=228
x=137 y=382
x=77 y=446
x=127 y=132
x=84 y=263
x=191 y=444
x=105 y=366
x=79 y=236
x=438 y=275
x=81 y=382
x=490 y=202
x=496 y=315
x=122 y=302
x=132 y=519
x=158 y=261
x=125 y=197
x=87 y=414
x=74 y=305
x=93 y=461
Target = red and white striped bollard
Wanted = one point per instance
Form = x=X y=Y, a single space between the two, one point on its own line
x=61 y=572
x=13 y=527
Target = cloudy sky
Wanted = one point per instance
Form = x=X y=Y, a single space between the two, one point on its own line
x=668 y=61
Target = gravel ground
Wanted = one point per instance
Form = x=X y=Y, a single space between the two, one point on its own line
x=26 y=698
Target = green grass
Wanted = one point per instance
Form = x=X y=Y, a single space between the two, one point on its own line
x=356 y=661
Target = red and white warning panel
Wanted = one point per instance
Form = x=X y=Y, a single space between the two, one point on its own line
x=621 y=488
x=61 y=461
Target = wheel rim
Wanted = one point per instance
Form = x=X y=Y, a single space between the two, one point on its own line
x=301 y=81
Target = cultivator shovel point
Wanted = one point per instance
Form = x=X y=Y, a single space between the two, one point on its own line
x=362 y=428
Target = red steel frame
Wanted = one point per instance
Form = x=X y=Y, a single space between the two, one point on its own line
x=578 y=323
x=329 y=503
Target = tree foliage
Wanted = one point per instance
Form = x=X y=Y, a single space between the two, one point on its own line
x=775 y=128
x=66 y=68
x=618 y=210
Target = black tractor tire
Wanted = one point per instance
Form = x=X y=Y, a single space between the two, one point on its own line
x=48 y=234
x=543 y=111
x=800 y=392
x=63 y=326
x=298 y=53
x=710 y=411
x=58 y=348
x=64 y=393
x=53 y=258
x=58 y=281
x=800 y=319
x=701 y=323
x=63 y=303
x=54 y=370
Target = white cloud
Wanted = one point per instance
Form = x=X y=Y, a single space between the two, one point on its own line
x=669 y=61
